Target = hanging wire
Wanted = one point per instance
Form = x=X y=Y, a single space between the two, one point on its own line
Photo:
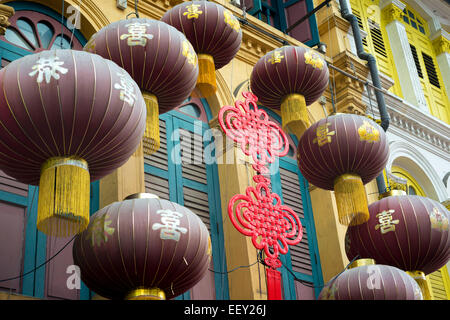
x=41 y=265
x=62 y=22
x=78 y=17
x=136 y=13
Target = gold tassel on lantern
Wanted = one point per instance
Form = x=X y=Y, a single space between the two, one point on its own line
x=63 y=206
x=294 y=114
x=351 y=199
x=423 y=282
x=151 y=135
x=206 y=81
x=146 y=294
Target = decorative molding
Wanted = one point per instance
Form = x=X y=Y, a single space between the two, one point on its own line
x=348 y=90
x=416 y=127
x=392 y=10
x=5 y=13
x=441 y=44
x=446 y=204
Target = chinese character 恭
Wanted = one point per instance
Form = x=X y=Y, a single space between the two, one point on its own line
x=48 y=68
x=386 y=223
x=231 y=20
x=323 y=135
x=276 y=57
x=137 y=35
x=100 y=230
x=126 y=88
x=192 y=11
x=170 y=221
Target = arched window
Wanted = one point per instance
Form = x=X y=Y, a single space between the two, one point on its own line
x=22 y=248
x=179 y=172
x=35 y=28
x=439 y=280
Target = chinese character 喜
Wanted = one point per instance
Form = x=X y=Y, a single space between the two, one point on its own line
x=192 y=11
x=386 y=223
x=170 y=221
x=126 y=89
x=137 y=35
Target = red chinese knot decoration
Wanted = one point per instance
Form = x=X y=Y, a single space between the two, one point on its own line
x=259 y=213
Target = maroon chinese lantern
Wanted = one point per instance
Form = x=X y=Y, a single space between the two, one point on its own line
x=365 y=280
x=214 y=33
x=67 y=118
x=289 y=79
x=408 y=232
x=342 y=153
x=143 y=248
x=158 y=57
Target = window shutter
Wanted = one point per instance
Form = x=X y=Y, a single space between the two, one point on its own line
x=377 y=38
x=9 y=184
x=437 y=285
x=193 y=168
x=290 y=188
x=431 y=70
x=293 y=13
x=416 y=60
x=154 y=184
x=360 y=24
x=12 y=235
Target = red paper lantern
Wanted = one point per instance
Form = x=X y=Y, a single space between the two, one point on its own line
x=408 y=232
x=158 y=57
x=67 y=118
x=289 y=79
x=371 y=281
x=143 y=248
x=342 y=153
x=214 y=33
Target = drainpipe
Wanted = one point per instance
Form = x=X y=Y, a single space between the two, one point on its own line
x=371 y=62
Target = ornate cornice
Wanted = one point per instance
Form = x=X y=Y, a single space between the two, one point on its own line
x=416 y=126
x=348 y=90
x=441 y=44
x=392 y=10
x=5 y=13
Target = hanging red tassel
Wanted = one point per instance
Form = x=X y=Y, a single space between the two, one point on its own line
x=273 y=284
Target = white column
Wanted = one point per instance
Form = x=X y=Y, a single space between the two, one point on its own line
x=403 y=58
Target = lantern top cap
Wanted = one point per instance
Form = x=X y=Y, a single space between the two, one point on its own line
x=361 y=262
x=142 y=195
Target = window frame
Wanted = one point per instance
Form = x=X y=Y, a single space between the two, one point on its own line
x=178 y=120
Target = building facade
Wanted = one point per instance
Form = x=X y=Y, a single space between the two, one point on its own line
x=411 y=45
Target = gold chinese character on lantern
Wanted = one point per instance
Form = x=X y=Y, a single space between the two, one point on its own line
x=276 y=57
x=369 y=133
x=313 y=59
x=137 y=35
x=189 y=53
x=323 y=135
x=231 y=20
x=386 y=222
x=192 y=11
x=100 y=230
x=438 y=220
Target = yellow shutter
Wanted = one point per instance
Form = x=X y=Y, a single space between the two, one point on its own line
x=377 y=42
x=440 y=284
x=430 y=75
